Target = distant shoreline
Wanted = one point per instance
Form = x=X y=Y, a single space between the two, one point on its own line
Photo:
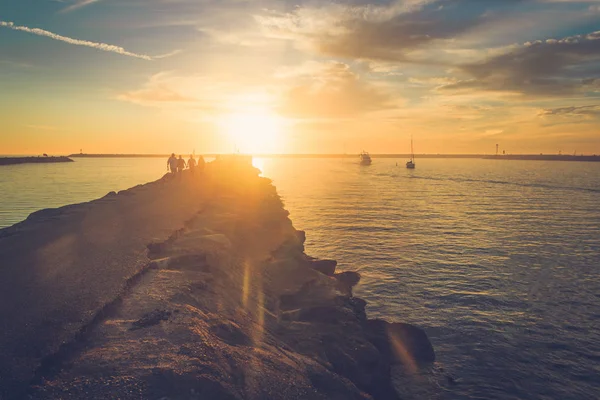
x=529 y=157
x=33 y=160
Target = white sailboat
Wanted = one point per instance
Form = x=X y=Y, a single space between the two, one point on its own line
x=411 y=164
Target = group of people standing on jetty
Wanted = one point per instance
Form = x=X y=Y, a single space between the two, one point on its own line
x=176 y=165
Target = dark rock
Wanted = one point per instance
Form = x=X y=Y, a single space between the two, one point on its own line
x=361 y=362
x=404 y=343
x=326 y=267
x=358 y=306
x=327 y=314
x=150 y=319
x=346 y=281
x=230 y=333
x=168 y=384
x=295 y=300
x=156 y=248
x=292 y=247
x=301 y=236
x=333 y=386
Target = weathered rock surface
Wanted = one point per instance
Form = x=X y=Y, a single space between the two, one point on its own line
x=346 y=281
x=403 y=343
x=227 y=306
x=326 y=267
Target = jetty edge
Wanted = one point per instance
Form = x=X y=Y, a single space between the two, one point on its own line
x=187 y=287
x=33 y=160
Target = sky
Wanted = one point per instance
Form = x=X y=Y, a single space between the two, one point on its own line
x=304 y=76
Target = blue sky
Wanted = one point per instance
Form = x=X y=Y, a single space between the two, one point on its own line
x=302 y=76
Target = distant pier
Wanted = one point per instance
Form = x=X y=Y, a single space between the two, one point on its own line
x=542 y=157
x=33 y=160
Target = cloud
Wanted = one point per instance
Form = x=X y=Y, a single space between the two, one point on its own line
x=196 y=94
x=100 y=46
x=331 y=90
x=159 y=90
x=377 y=32
x=78 y=4
x=553 y=67
x=589 y=111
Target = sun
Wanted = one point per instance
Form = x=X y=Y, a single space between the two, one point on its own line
x=254 y=132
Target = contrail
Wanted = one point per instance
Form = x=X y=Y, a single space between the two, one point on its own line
x=100 y=46
x=77 y=5
x=171 y=54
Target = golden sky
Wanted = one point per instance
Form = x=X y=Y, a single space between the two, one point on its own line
x=272 y=76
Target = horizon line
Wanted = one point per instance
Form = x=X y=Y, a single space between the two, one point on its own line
x=267 y=155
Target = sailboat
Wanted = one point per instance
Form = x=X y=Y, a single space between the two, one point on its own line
x=411 y=164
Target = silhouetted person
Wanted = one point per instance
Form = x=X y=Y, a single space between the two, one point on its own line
x=172 y=163
x=191 y=164
x=201 y=164
x=180 y=164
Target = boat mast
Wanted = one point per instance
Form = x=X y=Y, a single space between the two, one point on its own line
x=412 y=152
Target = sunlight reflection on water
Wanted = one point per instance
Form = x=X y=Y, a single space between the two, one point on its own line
x=495 y=259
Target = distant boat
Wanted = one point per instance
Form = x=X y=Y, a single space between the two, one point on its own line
x=365 y=158
x=411 y=163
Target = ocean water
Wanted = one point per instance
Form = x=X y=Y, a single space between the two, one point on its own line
x=497 y=260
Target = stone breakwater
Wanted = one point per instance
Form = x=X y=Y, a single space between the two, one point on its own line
x=33 y=160
x=220 y=302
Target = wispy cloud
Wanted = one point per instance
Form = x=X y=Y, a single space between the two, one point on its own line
x=78 y=4
x=100 y=46
x=591 y=111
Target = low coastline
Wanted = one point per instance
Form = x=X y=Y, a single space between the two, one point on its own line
x=213 y=297
x=33 y=160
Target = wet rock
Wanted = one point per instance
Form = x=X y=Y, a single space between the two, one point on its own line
x=346 y=281
x=150 y=319
x=326 y=267
x=404 y=343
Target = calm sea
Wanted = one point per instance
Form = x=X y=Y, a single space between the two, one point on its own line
x=497 y=260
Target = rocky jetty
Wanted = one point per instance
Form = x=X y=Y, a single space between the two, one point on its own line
x=33 y=160
x=187 y=288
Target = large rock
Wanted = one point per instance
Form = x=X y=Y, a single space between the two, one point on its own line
x=326 y=267
x=404 y=343
x=346 y=281
x=301 y=236
x=326 y=314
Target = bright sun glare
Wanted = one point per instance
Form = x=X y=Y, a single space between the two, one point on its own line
x=257 y=132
